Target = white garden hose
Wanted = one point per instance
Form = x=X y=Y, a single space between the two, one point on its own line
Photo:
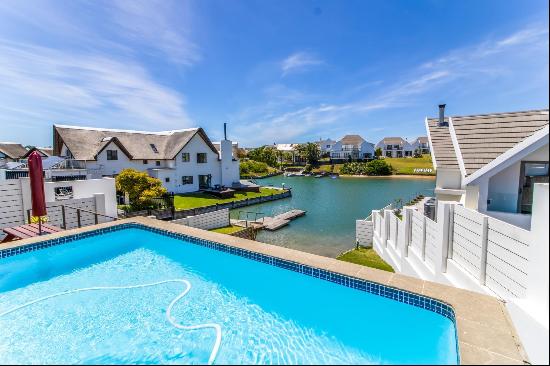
x=169 y=317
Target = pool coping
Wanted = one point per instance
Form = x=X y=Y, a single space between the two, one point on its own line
x=484 y=329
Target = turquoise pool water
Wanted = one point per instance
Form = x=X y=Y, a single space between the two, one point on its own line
x=332 y=207
x=265 y=314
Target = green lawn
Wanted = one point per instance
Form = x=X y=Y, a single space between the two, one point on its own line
x=365 y=257
x=227 y=229
x=407 y=165
x=194 y=200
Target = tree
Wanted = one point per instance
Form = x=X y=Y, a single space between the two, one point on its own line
x=378 y=152
x=310 y=152
x=264 y=154
x=140 y=187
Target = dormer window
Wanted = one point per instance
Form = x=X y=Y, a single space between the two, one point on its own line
x=154 y=148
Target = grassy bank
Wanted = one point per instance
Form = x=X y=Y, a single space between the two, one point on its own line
x=365 y=257
x=194 y=200
x=227 y=229
x=408 y=165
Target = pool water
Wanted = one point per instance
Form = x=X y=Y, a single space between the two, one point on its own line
x=267 y=315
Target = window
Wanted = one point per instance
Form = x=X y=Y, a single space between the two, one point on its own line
x=204 y=181
x=112 y=155
x=201 y=158
x=185 y=157
x=145 y=161
x=167 y=180
x=157 y=163
x=187 y=179
x=154 y=148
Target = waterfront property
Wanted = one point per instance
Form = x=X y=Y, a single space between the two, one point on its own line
x=183 y=160
x=99 y=274
x=421 y=145
x=325 y=146
x=491 y=162
x=395 y=147
x=352 y=148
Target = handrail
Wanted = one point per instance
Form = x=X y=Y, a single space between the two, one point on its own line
x=78 y=216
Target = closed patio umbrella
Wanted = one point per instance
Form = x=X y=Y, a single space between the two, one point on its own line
x=38 y=197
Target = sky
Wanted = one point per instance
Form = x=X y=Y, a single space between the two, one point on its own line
x=283 y=71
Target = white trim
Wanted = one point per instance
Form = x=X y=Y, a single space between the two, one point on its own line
x=458 y=153
x=527 y=146
x=127 y=131
x=434 y=162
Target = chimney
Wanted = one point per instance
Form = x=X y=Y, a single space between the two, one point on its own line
x=225 y=131
x=442 y=122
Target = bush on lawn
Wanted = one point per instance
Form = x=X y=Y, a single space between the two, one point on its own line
x=374 y=167
x=249 y=167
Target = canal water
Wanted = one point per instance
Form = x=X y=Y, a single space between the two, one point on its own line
x=332 y=206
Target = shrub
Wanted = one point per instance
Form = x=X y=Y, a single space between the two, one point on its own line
x=374 y=167
x=141 y=188
x=249 y=167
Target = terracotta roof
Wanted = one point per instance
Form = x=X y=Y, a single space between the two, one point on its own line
x=442 y=145
x=354 y=140
x=13 y=150
x=85 y=143
x=482 y=138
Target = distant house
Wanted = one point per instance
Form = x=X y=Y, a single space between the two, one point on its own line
x=11 y=152
x=491 y=162
x=352 y=147
x=184 y=160
x=325 y=146
x=422 y=144
x=44 y=152
x=395 y=147
x=290 y=149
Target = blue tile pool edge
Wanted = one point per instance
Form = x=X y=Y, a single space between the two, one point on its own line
x=374 y=288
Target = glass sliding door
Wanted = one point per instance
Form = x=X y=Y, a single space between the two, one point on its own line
x=204 y=181
x=531 y=173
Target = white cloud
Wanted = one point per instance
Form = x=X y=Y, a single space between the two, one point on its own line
x=83 y=87
x=485 y=61
x=298 y=62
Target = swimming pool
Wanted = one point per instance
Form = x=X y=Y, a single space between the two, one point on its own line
x=134 y=294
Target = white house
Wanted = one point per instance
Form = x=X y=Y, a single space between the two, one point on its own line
x=352 y=147
x=491 y=162
x=395 y=147
x=422 y=144
x=290 y=149
x=325 y=146
x=184 y=160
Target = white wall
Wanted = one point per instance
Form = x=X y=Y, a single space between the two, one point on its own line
x=207 y=221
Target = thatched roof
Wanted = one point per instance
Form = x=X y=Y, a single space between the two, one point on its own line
x=86 y=143
x=13 y=150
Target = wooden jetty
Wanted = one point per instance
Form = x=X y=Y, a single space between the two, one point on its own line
x=277 y=222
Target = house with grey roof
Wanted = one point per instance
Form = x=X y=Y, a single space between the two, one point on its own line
x=395 y=147
x=325 y=146
x=421 y=144
x=491 y=162
x=184 y=160
x=352 y=148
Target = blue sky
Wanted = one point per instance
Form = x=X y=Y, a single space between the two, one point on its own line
x=278 y=71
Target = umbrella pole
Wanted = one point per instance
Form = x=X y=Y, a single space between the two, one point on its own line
x=39 y=225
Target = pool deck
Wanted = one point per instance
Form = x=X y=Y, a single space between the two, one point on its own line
x=485 y=331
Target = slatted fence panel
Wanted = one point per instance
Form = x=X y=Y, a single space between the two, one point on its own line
x=431 y=242
x=507 y=258
x=417 y=232
x=11 y=204
x=467 y=237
